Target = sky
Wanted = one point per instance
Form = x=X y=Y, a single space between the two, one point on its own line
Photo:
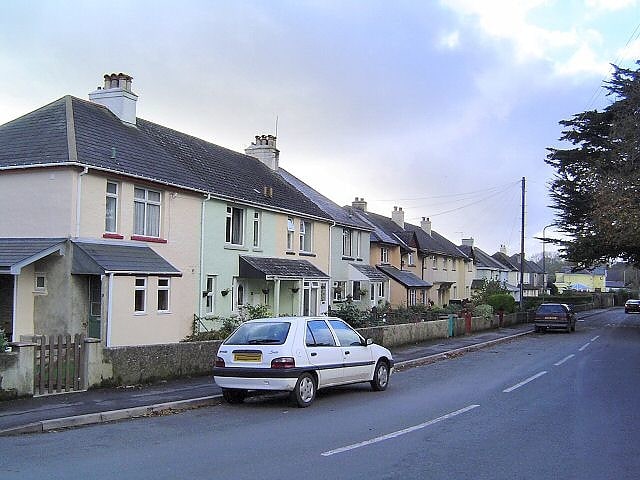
x=438 y=107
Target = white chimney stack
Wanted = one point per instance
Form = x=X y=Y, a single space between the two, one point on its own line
x=117 y=97
x=264 y=149
x=503 y=249
x=425 y=224
x=468 y=242
x=398 y=216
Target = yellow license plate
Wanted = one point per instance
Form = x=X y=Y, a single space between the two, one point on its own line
x=247 y=357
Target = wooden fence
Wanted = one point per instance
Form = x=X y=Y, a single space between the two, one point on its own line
x=59 y=364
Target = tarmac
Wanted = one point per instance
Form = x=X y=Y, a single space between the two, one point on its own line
x=101 y=405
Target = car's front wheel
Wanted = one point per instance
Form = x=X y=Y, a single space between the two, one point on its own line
x=380 y=376
x=305 y=391
x=233 y=395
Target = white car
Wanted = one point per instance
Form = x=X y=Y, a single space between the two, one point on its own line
x=298 y=355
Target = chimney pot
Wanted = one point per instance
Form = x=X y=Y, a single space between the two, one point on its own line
x=425 y=224
x=117 y=96
x=398 y=216
x=359 y=204
x=264 y=149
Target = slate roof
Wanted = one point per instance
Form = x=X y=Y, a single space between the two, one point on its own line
x=593 y=271
x=506 y=261
x=70 y=131
x=382 y=232
x=99 y=258
x=342 y=216
x=372 y=273
x=408 y=279
x=483 y=259
x=261 y=267
x=434 y=243
x=16 y=253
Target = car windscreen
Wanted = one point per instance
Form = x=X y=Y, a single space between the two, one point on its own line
x=550 y=310
x=260 y=333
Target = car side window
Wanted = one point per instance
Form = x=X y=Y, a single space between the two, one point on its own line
x=318 y=334
x=347 y=336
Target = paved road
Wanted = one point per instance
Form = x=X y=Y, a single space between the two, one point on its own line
x=545 y=406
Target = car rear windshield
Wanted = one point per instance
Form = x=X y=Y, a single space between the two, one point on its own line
x=550 y=309
x=260 y=333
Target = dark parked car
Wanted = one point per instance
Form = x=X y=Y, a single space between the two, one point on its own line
x=555 y=315
x=632 y=306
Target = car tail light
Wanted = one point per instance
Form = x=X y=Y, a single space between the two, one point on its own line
x=283 y=362
x=219 y=362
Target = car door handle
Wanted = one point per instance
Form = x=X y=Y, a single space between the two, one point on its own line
x=347 y=352
x=313 y=354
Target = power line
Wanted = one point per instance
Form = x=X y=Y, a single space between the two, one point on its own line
x=485 y=190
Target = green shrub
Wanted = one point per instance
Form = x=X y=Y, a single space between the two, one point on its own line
x=502 y=301
x=3 y=341
x=351 y=314
x=485 y=311
x=258 y=311
x=228 y=327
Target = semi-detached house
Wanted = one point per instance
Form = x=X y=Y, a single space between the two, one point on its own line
x=122 y=229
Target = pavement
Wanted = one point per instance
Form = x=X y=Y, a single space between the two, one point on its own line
x=100 y=405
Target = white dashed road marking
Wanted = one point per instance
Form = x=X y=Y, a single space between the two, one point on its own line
x=389 y=436
x=595 y=338
x=584 y=346
x=564 y=360
x=524 y=382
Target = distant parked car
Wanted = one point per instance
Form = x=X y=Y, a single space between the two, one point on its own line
x=555 y=315
x=299 y=355
x=632 y=306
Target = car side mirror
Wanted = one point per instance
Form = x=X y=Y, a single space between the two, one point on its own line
x=368 y=341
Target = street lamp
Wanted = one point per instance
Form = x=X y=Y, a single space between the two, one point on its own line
x=544 y=261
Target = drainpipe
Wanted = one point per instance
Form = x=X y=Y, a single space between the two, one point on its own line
x=329 y=286
x=78 y=198
x=202 y=217
x=109 y=310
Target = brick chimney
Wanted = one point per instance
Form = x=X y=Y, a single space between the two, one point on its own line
x=398 y=216
x=468 y=242
x=264 y=149
x=425 y=224
x=359 y=204
x=117 y=96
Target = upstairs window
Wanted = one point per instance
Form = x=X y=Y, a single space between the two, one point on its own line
x=358 y=243
x=146 y=215
x=454 y=261
x=306 y=233
x=234 y=227
x=410 y=259
x=346 y=242
x=434 y=262
x=384 y=255
x=257 y=223
x=111 y=211
x=290 y=233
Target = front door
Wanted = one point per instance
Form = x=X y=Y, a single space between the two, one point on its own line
x=95 y=306
x=6 y=305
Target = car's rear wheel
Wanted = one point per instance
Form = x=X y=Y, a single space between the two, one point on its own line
x=380 y=376
x=234 y=395
x=305 y=391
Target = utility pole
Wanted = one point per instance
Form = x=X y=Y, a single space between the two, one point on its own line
x=522 y=252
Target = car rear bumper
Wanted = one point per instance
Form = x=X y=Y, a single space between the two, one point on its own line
x=264 y=383
x=551 y=324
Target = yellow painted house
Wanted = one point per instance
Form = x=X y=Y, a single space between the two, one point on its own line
x=583 y=280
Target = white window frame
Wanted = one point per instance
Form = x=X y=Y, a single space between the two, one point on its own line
x=453 y=264
x=140 y=288
x=434 y=262
x=358 y=244
x=291 y=228
x=162 y=287
x=306 y=236
x=384 y=255
x=347 y=239
x=410 y=259
x=116 y=200
x=147 y=203
x=257 y=229
x=210 y=297
x=342 y=294
x=444 y=263
x=412 y=297
x=229 y=226
x=40 y=288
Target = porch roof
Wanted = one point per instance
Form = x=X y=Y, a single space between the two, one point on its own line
x=369 y=272
x=408 y=279
x=284 y=268
x=16 y=253
x=100 y=258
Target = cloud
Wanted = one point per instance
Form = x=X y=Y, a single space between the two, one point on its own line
x=610 y=5
x=450 y=40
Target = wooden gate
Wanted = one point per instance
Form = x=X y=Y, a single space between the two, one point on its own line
x=59 y=364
